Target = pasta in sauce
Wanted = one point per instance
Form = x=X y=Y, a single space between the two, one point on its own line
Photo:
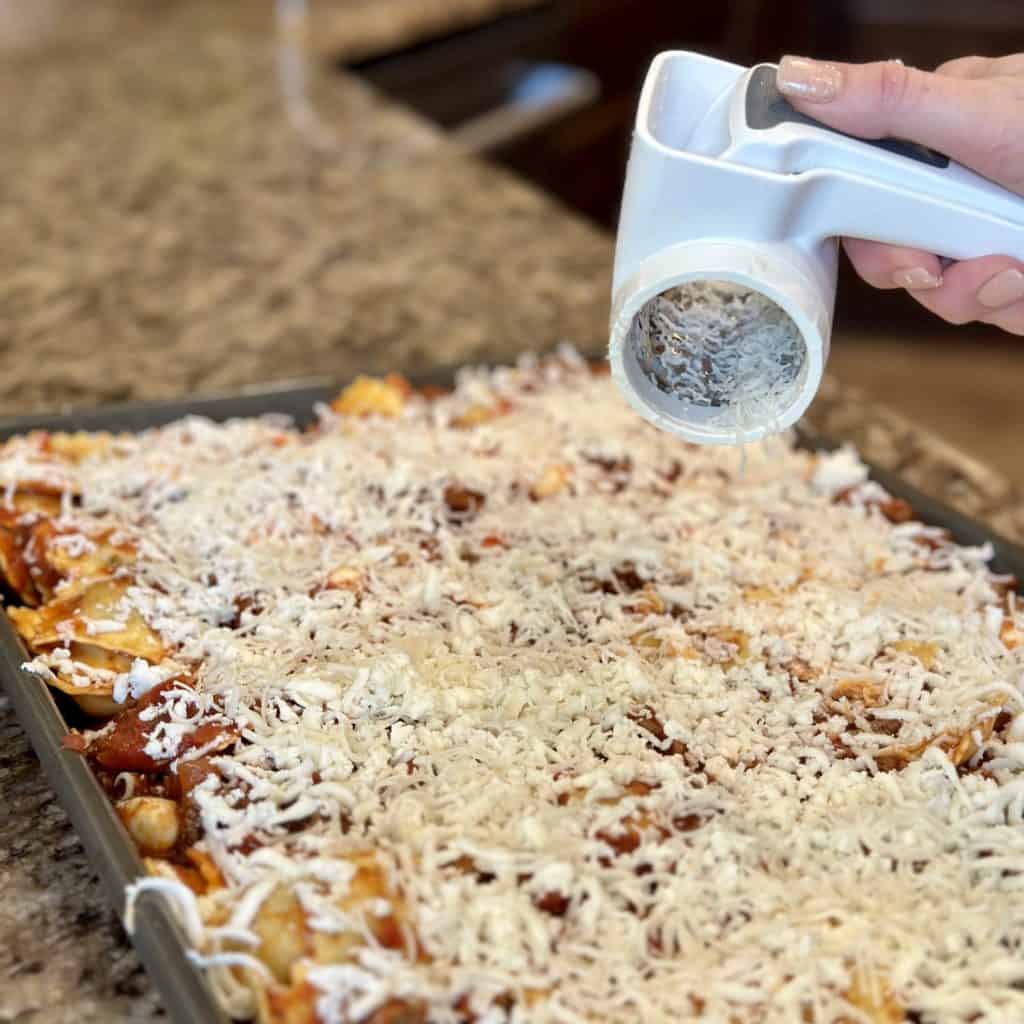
x=501 y=706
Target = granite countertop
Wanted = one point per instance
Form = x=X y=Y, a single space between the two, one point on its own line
x=173 y=225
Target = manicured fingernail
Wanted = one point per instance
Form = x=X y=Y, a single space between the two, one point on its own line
x=807 y=79
x=915 y=279
x=1004 y=289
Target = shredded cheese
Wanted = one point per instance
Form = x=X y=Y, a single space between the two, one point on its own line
x=632 y=735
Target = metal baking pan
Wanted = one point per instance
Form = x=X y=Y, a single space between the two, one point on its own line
x=157 y=937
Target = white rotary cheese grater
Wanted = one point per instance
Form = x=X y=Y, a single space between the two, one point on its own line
x=726 y=257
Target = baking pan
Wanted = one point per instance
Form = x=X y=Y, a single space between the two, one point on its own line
x=157 y=937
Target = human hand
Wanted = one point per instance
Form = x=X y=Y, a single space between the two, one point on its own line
x=971 y=109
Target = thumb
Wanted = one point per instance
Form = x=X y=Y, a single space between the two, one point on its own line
x=970 y=120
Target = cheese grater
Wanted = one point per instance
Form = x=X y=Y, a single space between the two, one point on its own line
x=727 y=250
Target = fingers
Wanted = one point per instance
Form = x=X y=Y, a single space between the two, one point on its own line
x=989 y=289
x=893 y=266
x=1010 y=319
x=965 y=67
x=970 y=109
x=973 y=120
x=982 y=67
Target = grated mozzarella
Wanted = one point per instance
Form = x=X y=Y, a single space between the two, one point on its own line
x=618 y=719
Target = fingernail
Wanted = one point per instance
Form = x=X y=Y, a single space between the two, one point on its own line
x=915 y=279
x=807 y=79
x=1005 y=288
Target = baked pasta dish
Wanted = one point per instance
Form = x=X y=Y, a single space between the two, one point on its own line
x=500 y=706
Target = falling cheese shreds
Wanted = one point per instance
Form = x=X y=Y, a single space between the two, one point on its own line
x=629 y=734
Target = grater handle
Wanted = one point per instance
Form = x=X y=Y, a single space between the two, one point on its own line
x=885 y=190
x=766 y=107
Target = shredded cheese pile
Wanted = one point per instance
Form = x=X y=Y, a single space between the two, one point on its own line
x=632 y=735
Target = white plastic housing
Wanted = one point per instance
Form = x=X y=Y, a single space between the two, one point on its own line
x=709 y=197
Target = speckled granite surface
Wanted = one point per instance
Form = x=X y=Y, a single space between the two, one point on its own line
x=172 y=223
x=170 y=228
x=63 y=955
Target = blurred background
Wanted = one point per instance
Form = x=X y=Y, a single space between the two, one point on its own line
x=584 y=60
x=159 y=207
